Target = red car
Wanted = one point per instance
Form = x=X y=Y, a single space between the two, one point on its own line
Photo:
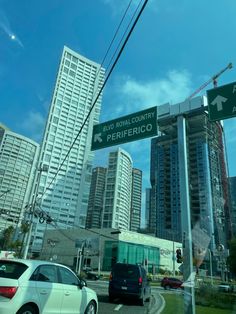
x=173 y=283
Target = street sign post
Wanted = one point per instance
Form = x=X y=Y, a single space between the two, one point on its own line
x=128 y=128
x=222 y=102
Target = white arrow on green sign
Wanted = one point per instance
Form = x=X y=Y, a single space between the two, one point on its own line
x=128 y=128
x=222 y=102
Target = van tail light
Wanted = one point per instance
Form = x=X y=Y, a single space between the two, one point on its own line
x=140 y=280
x=8 y=292
x=110 y=277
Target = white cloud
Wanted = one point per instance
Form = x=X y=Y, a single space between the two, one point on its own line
x=126 y=95
x=33 y=124
x=129 y=95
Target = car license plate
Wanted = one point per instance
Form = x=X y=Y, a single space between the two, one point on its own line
x=124 y=288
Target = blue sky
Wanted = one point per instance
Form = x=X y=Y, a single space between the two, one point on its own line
x=175 y=48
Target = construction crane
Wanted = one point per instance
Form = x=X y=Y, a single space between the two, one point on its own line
x=212 y=79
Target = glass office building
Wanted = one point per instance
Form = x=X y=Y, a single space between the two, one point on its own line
x=208 y=188
x=124 y=252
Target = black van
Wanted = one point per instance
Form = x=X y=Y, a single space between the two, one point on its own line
x=129 y=280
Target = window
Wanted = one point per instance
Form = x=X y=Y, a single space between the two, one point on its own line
x=67 y=277
x=46 y=273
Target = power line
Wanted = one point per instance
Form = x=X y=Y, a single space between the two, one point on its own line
x=116 y=33
x=98 y=94
x=87 y=117
x=122 y=38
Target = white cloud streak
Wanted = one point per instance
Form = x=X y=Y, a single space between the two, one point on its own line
x=33 y=124
x=6 y=28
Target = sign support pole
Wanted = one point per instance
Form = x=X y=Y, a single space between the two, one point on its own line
x=188 y=274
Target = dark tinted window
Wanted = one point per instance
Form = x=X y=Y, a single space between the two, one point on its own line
x=10 y=269
x=67 y=277
x=46 y=273
x=125 y=271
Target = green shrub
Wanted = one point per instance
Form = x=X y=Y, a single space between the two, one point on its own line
x=210 y=296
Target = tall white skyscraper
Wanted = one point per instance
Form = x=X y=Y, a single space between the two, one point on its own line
x=117 y=201
x=18 y=159
x=65 y=199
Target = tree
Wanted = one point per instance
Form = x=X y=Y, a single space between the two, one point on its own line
x=6 y=237
x=24 y=230
x=232 y=256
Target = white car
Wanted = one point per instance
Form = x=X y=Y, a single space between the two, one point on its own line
x=42 y=287
x=225 y=287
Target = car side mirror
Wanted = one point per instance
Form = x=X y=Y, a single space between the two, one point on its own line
x=82 y=283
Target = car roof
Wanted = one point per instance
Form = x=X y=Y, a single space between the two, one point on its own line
x=31 y=262
x=128 y=264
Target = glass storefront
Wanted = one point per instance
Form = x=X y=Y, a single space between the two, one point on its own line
x=124 y=252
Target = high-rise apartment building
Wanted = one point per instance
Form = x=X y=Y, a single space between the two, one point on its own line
x=96 y=198
x=117 y=202
x=115 y=194
x=136 y=200
x=208 y=190
x=18 y=162
x=64 y=189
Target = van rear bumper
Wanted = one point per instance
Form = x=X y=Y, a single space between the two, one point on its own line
x=118 y=292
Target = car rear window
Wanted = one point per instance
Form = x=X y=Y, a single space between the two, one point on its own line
x=11 y=269
x=125 y=271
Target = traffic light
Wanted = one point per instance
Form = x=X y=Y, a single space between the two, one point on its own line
x=179 y=256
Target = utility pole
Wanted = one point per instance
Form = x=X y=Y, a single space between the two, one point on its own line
x=44 y=168
x=189 y=296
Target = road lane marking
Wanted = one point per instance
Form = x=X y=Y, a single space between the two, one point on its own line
x=117 y=308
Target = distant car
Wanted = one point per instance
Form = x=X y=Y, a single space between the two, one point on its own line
x=129 y=280
x=171 y=283
x=87 y=268
x=225 y=287
x=38 y=287
x=91 y=275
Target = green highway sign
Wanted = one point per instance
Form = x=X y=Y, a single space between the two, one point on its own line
x=222 y=102
x=129 y=128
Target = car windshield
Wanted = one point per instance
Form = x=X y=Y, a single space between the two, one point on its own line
x=10 y=269
x=118 y=146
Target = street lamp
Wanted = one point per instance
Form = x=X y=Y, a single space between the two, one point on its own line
x=79 y=258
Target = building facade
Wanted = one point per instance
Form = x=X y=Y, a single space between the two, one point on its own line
x=232 y=186
x=117 y=201
x=102 y=248
x=18 y=162
x=136 y=200
x=208 y=191
x=64 y=189
x=96 y=198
